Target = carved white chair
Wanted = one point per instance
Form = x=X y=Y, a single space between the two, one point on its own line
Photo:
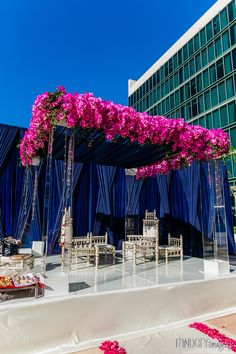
x=78 y=249
x=144 y=246
x=147 y=248
x=128 y=246
x=82 y=249
x=173 y=249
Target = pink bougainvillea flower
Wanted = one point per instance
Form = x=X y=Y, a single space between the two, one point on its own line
x=184 y=142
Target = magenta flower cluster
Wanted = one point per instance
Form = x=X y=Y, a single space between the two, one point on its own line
x=183 y=142
x=215 y=334
x=112 y=347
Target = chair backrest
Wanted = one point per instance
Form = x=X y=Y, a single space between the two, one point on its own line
x=132 y=238
x=38 y=248
x=80 y=242
x=175 y=241
x=150 y=215
x=98 y=239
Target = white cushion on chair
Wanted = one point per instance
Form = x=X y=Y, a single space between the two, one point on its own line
x=38 y=248
x=25 y=251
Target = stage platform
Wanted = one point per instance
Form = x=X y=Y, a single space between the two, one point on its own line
x=84 y=306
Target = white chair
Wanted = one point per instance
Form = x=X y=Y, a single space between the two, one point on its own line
x=173 y=249
x=38 y=249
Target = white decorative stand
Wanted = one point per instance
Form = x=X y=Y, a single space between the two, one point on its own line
x=215 y=240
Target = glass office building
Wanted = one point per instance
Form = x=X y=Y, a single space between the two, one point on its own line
x=196 y=77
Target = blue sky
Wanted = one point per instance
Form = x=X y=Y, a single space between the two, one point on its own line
x=92 y=46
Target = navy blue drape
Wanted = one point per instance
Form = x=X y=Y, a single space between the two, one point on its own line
x=106 y=176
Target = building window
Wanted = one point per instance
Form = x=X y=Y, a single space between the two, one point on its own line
x=220 y=68
x=223 y=19
x=196 y=40
x=227 y=64
x=216 y=24
x=175 y=61
x=216 y=119
x=212 y=73
x=172 y=101
x=187 y=90
x=171 y=84
x=224 y=116
x=233 y=34
x=214 y=96
x=207 y=100
x=233 y=137
x=229 y=88
x=188 y=111
x=204 y=57
x=162 y=73
x=176 y=79
x=232 y=11
x=190 y=47
x=202 y=121
x=205 y=78
x=198 y=62
x=199 y=82
x=232 y=112
x=234 y=58
x=211 y=52
x=225 y=40
x=185 y=52
x=186 y=72
x=180 y=75
x=208 y=121
x=181 y=91
x=193 y=87
x=209 y=31
x=203 y=36
x=194 y=107
x=222 y=94
x=201 y=104
x=170 y=65
x=192 y=67
x=218 y=47
x=177 y=100
x=180 y=57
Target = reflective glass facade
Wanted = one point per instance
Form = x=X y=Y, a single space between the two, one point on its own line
x=199 y=81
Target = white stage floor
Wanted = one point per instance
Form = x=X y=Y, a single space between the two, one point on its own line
x=83 y=279
x=84 y=306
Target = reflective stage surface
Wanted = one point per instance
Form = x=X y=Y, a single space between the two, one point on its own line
x=86 y=279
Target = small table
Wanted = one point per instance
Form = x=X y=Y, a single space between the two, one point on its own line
x=170 y=251
x=34 y=287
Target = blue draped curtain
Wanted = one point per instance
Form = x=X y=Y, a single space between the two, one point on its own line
x=106 y=176
x=7 y=137
x=190 y=178
x=57 y=199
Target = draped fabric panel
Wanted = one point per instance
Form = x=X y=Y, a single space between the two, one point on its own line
x=133 y=194
x=106 y=176
x=163 y=182
x=7 y=136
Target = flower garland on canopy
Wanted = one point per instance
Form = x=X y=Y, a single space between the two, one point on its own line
x=184 y=142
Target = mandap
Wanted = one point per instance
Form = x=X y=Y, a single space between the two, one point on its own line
x=80 y=128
